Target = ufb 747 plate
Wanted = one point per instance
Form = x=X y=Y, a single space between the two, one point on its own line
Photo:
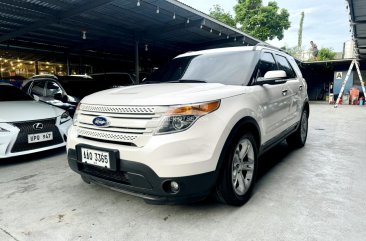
x=34 y=138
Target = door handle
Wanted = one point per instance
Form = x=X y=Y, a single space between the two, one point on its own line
x=284 y=92
x=300 y=87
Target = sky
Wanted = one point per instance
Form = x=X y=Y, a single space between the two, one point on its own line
x=326 y=22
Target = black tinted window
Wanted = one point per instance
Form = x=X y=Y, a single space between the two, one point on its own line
x=266 y=63
x=284 y=65
x=11 y=93
x=232 y=68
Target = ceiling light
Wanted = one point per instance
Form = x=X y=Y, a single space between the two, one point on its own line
x=220 y=34
x=138 y=3
x=84 y=34
x=146 y=47
x=157 y=9
x=211 y=30
x=174 y=16
x=228 y=37
x=187 y=20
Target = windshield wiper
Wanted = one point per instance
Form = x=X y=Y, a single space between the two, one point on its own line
x=187 y=81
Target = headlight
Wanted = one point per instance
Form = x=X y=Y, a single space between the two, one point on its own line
x=180 y=118
x=75 y=118
x=64 y=117
x=3 y=130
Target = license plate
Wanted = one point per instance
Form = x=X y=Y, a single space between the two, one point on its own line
x=34 y=138
x=96 y=158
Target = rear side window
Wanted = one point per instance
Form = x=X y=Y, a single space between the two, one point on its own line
x=266 y=63
x=284 y=65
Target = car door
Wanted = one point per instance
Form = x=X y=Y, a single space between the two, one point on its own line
x=293 y=88
x=272 y=98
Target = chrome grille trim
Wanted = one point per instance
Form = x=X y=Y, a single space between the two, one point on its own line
x=110 y=136
x=117 y=109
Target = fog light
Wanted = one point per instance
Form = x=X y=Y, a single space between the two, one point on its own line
x=174 y=186
x=171 y=187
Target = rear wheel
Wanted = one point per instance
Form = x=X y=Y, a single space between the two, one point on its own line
x=237 y=179
x=298 y=138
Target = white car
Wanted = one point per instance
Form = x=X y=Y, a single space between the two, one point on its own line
x=195 y=128
x=28 y=126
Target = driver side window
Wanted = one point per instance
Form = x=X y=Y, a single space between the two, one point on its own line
x=38 y=88
x=266 y=63
x=52 y=89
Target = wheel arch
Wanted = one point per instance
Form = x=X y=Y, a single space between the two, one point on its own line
x=243 y=125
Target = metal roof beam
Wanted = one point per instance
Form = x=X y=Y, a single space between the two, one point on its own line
x=73 y=10
x=153 y=32
x=27 y=6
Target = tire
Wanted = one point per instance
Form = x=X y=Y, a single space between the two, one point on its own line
x=86 y=180
x=236 y=181
x=298 y=138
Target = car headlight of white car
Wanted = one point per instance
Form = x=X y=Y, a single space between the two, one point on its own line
x=180 y=118
x=64 y=117
x=3 y=130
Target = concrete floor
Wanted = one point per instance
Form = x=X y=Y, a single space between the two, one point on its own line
x=315 y=193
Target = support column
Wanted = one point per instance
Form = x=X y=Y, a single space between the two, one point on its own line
x=137 y=65
x=67 y=65
x=36 y=67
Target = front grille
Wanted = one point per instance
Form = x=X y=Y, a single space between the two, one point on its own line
x=26 y=128
x=118 y=109
x=104 y=135
x=127 y=124
x=115 y=176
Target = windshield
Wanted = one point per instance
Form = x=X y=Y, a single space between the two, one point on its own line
x=11 y=93
x=231 y=68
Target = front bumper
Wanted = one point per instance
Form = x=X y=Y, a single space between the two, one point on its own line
x=15 y=141
x=140 y=180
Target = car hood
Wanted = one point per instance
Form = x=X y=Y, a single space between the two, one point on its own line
x=14 y=111
x=164 y=94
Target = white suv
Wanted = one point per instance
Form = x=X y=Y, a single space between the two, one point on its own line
x=196 y=127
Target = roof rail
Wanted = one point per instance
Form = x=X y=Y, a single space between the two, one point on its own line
x=268 y=46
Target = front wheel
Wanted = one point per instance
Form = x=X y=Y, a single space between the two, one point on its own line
x=237 y=179
x=298 y=138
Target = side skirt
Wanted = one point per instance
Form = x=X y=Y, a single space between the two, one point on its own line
x=278 y=139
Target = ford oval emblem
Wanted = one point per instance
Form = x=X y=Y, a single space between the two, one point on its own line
x=101 y=121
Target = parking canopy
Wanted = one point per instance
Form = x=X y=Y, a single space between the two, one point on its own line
x=357 y=9
x=118 y=28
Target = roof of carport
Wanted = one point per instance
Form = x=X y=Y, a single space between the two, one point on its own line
x=168 y=27
x=357 y=10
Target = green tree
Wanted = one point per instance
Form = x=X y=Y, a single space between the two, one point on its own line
x=219 y=13
x=262 y=22
x=299 y=40
x=326 y=54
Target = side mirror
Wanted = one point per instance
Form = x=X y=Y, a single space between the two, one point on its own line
x=58 y=96
x=275 y=74
x=61 y=97
x=272 y=77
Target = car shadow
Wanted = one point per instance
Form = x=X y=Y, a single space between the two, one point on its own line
x=267 y=162
x=272 y=158
x=32 y=157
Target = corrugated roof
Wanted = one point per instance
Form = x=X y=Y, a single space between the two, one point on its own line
x=357 y=9
x=168 y=27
